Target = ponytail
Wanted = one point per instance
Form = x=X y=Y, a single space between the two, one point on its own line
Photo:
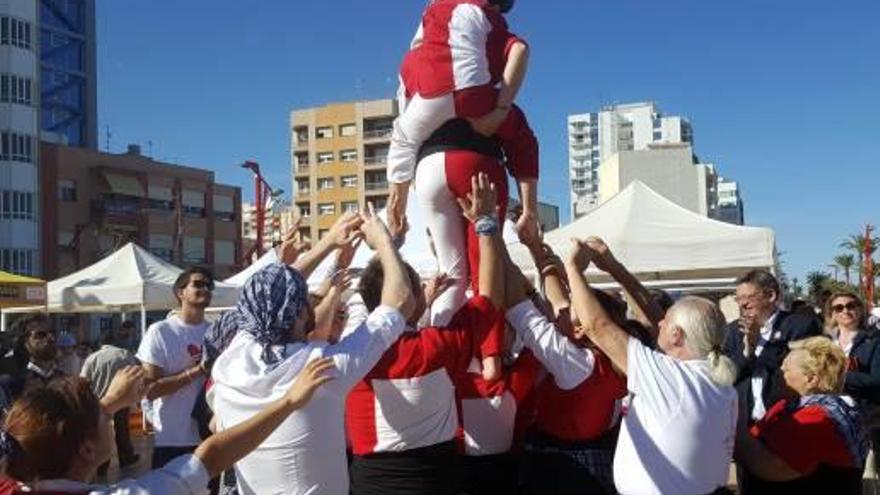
x=722 y=369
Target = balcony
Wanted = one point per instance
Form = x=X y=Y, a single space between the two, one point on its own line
x=376 y=161
x=302 y=169
x=376 y=187
x=383 y=133
x=121 y=207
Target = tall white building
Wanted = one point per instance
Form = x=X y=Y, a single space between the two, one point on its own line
x=19 y=137
x=730 y=204
x=595 y=137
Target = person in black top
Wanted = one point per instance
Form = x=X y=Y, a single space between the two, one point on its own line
x=32 y=362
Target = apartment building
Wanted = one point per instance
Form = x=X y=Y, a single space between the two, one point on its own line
x=339 y=155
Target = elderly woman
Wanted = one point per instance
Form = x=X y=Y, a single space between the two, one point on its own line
x=54 y=438
x=277 y=337
x=812 y=441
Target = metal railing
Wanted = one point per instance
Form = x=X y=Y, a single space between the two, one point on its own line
x=377 y=133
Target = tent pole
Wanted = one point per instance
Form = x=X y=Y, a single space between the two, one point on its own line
x=143 y=321
x=3 y=321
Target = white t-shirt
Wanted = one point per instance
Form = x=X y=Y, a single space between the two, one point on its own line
x=174 y=346
x=305 y=455
x=678 y=433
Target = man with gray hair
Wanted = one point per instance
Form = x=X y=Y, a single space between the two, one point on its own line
x=678 y=432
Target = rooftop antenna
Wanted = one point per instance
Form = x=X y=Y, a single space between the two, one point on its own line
x=150 y=148
x=108 y=134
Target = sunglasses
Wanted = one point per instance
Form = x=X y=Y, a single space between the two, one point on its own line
x=850 y=306
x=202 y=284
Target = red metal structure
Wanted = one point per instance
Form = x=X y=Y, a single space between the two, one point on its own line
x=263 y=193
x=869 y=269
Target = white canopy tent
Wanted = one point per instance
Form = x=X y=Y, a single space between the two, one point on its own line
x=129 y=280
x=658 y=240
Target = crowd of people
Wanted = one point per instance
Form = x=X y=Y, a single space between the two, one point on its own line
x=479 y=380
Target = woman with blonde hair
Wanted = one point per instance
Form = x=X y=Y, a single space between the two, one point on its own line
x=812 y=441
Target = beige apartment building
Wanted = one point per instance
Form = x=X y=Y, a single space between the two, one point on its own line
x=338 y=160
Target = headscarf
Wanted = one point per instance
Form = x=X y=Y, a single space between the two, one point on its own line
x=269 y=305
x=219 y=337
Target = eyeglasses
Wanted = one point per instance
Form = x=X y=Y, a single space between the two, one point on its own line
x=850 y=306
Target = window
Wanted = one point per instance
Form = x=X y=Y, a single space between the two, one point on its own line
x=350 y=207
x=161 y=245
x=193 y=249
x=302 y=134
x=15 y=89
x=305 y=210
x=348 y=130
x=324 y=132
x=224 y=208
x=326 y=209
x=16 y=147
x=349 y=181
x=380 y=203
x=66 y=190
x=17 y=260
x=322 y=233
x=302 y=186
x=65 y=238
x=193 y=204
x=301 y=160
x=325 y=183
x=17 y=205
x=325 y=157
x=15 y=32
x=658 y=135
x=224 y=252
x=348 y=156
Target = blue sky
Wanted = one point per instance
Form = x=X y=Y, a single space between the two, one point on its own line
x=782 y=95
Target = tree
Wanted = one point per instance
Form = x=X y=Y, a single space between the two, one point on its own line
x=797 y=290
x=856 y=243
x=845 y=262
x=816 y=281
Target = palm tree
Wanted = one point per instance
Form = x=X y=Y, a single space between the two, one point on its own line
x=845 y=262
x=797 y=291
x=815 y=281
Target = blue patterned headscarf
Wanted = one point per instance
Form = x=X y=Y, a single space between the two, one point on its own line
x=219 y=337
x=269 y=305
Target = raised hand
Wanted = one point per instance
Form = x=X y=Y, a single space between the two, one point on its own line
x=373 y=230
x=312 y=376
x=482 y=201
x=345 y=230
x=435 y=287
x=580 y=255
x=346 y=253
x=528 y=229
x=602 y=255
x=293 y=245
x=126 y=388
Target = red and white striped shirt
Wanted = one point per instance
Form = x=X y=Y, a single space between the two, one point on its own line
x=407 y=401
x=461 y=44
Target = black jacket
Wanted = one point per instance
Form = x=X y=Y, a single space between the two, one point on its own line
x=863 y=375
x=787 y=327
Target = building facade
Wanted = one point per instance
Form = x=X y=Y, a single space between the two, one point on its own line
x=730 y=204
x=671 y=170
x=595 y=137
x=96 y=202
x=278 y=220
x=19 y=137
x=68 y=71
x=339 y=155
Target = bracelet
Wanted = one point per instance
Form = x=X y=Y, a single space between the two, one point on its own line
x=486 y=225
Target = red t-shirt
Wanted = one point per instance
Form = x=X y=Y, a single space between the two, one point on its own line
x=803 y=439
x=585 y=412
x=407 y=400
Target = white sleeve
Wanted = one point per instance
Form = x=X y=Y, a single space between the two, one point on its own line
x=569 y=364
x=469 y=31
x=151 y=350
x=654 y=378
x=184 y=475
x=357 y=353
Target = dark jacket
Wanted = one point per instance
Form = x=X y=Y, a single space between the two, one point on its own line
x=788 y=327
x=863 y=370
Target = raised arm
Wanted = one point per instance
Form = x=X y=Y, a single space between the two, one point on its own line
x=397 y=201
x=599 y=327
x=343 y=232
x=635 y=291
